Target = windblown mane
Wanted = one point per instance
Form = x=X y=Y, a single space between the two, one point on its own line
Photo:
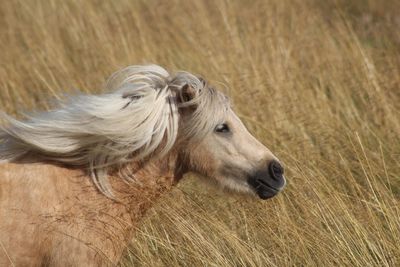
x=137 y=117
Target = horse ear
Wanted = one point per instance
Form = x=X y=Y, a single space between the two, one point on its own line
x=187 y=93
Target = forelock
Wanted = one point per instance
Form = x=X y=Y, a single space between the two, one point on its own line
x=210 y=105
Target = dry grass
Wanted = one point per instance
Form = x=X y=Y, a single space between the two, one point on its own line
x=317 y=81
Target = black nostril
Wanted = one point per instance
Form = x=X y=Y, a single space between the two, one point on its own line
x=276 y=170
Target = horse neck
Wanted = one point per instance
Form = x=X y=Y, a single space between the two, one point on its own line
x=132 y=199
x=138 y=185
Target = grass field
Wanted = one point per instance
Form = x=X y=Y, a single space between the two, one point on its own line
x=318 y=82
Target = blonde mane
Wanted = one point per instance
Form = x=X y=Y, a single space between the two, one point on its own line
x=137 y=117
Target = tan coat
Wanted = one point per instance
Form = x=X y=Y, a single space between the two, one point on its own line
x=51 y=215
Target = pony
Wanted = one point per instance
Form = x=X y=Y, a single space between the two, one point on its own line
x=76 y=180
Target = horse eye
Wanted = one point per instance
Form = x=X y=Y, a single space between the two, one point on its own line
x=222 y=128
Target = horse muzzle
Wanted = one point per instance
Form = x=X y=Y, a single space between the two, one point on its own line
x=269 y=181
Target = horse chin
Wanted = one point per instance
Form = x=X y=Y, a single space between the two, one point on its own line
x=235 y=185
x=265 y=191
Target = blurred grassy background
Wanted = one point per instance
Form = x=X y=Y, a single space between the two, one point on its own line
x=318 y=82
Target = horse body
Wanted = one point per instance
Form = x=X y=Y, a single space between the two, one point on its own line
x=75 y=181
x=53 y=215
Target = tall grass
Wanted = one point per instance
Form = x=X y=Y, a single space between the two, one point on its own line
x=317 y=81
